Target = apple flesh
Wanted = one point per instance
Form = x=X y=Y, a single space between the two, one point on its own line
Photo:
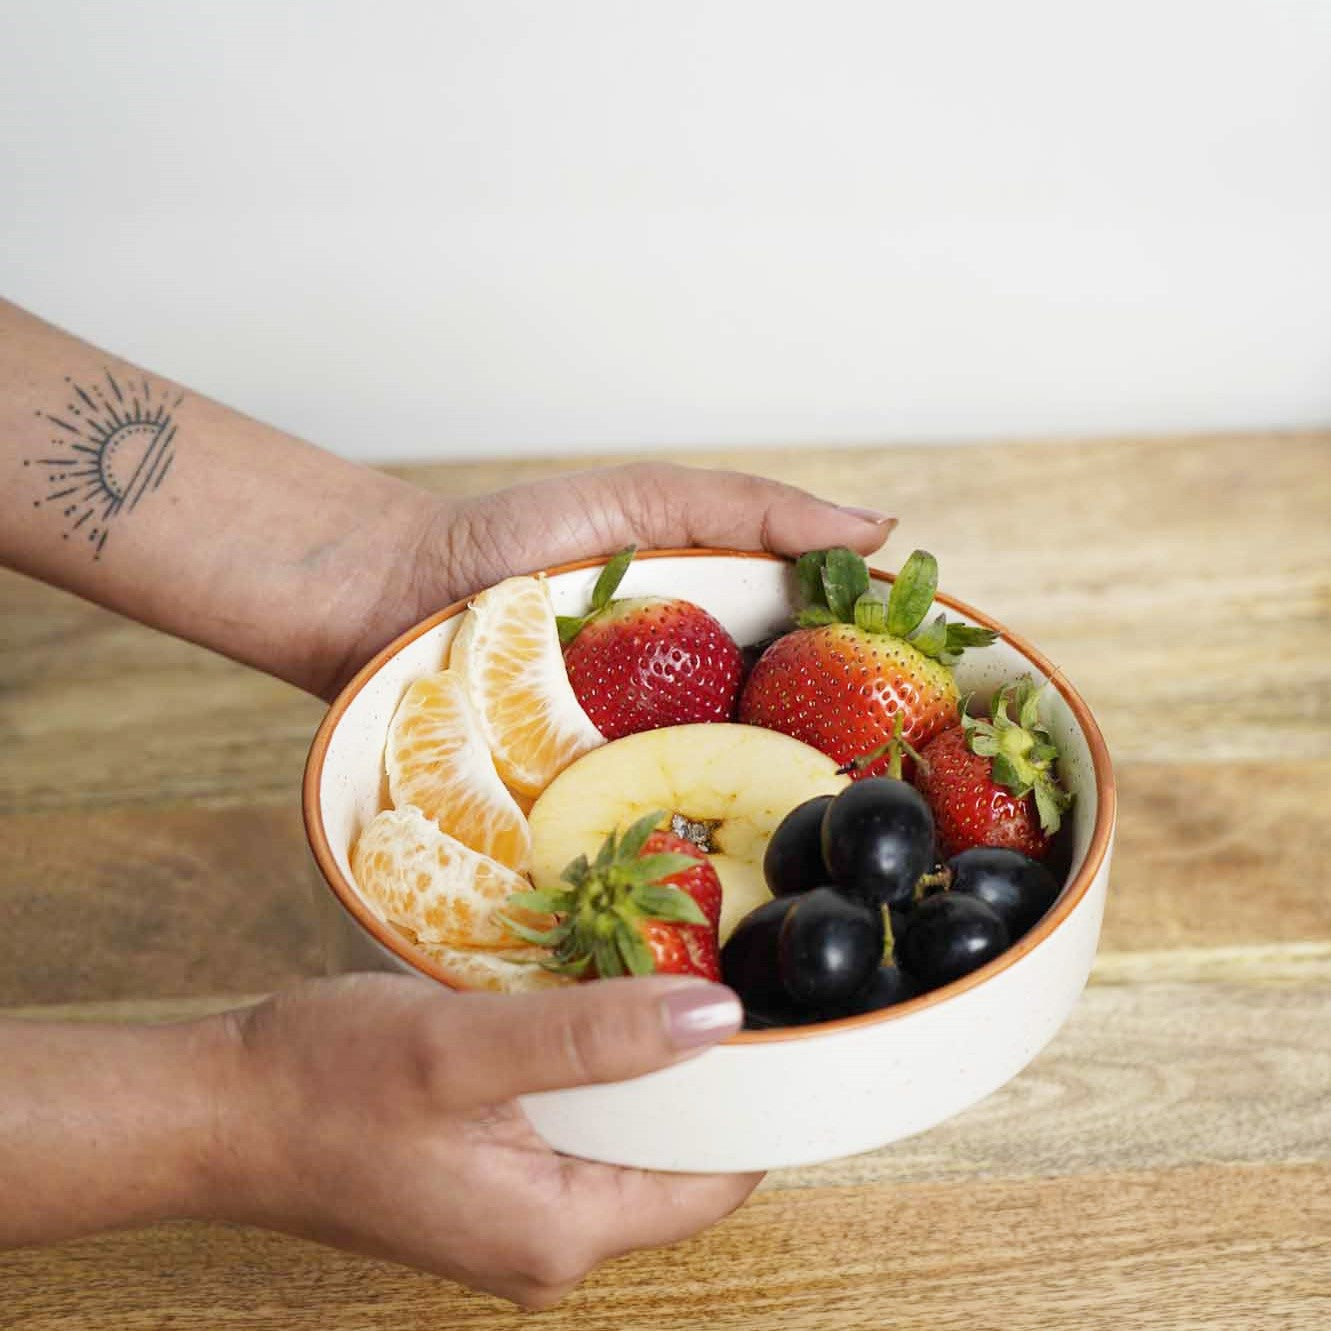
x=724 y=786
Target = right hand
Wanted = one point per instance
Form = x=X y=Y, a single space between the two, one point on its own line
x=377 y=1113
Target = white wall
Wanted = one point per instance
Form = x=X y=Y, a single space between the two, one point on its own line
x=421 y=229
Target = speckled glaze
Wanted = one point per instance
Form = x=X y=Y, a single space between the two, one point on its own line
x=763 y=1099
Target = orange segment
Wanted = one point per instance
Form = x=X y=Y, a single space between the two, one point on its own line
x=510 y=972
x=507 y=650
x=420 y=878
x=438 y=760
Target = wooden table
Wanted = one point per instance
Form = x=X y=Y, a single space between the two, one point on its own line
x=1166 y=1163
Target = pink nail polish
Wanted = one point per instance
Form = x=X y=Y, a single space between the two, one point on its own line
x=697 y=1014
x=869 y=515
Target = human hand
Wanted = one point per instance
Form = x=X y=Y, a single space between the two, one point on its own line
x=459 y=547
x=378 y=1113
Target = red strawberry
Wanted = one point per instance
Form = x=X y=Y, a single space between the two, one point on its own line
x=648 y=661
x=700 y=941
x=649 y=903
x=993 y=783
x=858 y=663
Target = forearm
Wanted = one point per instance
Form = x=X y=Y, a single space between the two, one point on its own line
x=149 y=499
x=105 y=1126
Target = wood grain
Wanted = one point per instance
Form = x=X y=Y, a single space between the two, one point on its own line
x=1206 y=1248
x=138 y=902
x=1220 y=854
x=131 y=717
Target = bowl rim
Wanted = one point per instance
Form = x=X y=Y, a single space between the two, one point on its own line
x=349 y=898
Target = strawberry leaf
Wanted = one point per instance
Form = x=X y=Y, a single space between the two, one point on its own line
x=1047 y=808
x=611 y=576
x=845 y=580
x=1027 y=698
x=809 y=578
x=912 y=594
x=961 y=636
x=543 y=902
x=1006 y=774
x=830 y=582
x=1051 y=802
x=608 y=957
x=932 y=638
x=575 y=967
x=632 y=842
x=576 y=871
x=550 y=938
x=540 y=937
x=653 y=868
x=1002 y=722
x=870 y=613
x=605 y=857
x=635 y=954
x=660 y=902
x=569 y=626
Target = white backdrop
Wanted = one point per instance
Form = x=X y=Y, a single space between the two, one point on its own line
x=438 y=228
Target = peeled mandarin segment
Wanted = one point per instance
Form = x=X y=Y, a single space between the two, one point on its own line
x=439 y=761
x=511 y=972
x=420 y=878
x=507 y=650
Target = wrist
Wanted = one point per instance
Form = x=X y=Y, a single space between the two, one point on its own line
x=107 y=1126
x=217 y=1118
x=243 y=1171
x=385 y=583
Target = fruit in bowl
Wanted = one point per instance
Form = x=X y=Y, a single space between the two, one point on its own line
x=648 y=661
x=724 y=786
x=858 y=667
x=869 y=855
x=866 y=1042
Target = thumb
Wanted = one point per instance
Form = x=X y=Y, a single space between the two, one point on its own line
x=609 y=1030
x=662 y=505
x=653 y=505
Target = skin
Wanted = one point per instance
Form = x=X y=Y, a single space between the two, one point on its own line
x=277 y=554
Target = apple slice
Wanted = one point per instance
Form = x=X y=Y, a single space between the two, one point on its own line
x=724 y=787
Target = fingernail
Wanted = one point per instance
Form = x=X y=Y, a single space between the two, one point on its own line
x=697 y=1014
x=869 y=515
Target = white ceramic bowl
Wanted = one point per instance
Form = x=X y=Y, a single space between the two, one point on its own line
x=762 y=1099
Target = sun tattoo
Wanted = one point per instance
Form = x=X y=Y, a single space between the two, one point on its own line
x=110 y=447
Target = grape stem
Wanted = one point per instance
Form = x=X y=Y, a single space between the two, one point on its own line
x=929 y=883
x=896 y=745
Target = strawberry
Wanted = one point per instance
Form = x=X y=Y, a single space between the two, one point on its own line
x=856 y=663
x=648 y=661
x=649 y=903
x=993 y=782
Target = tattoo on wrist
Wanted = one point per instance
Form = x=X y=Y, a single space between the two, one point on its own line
x=110 y=444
